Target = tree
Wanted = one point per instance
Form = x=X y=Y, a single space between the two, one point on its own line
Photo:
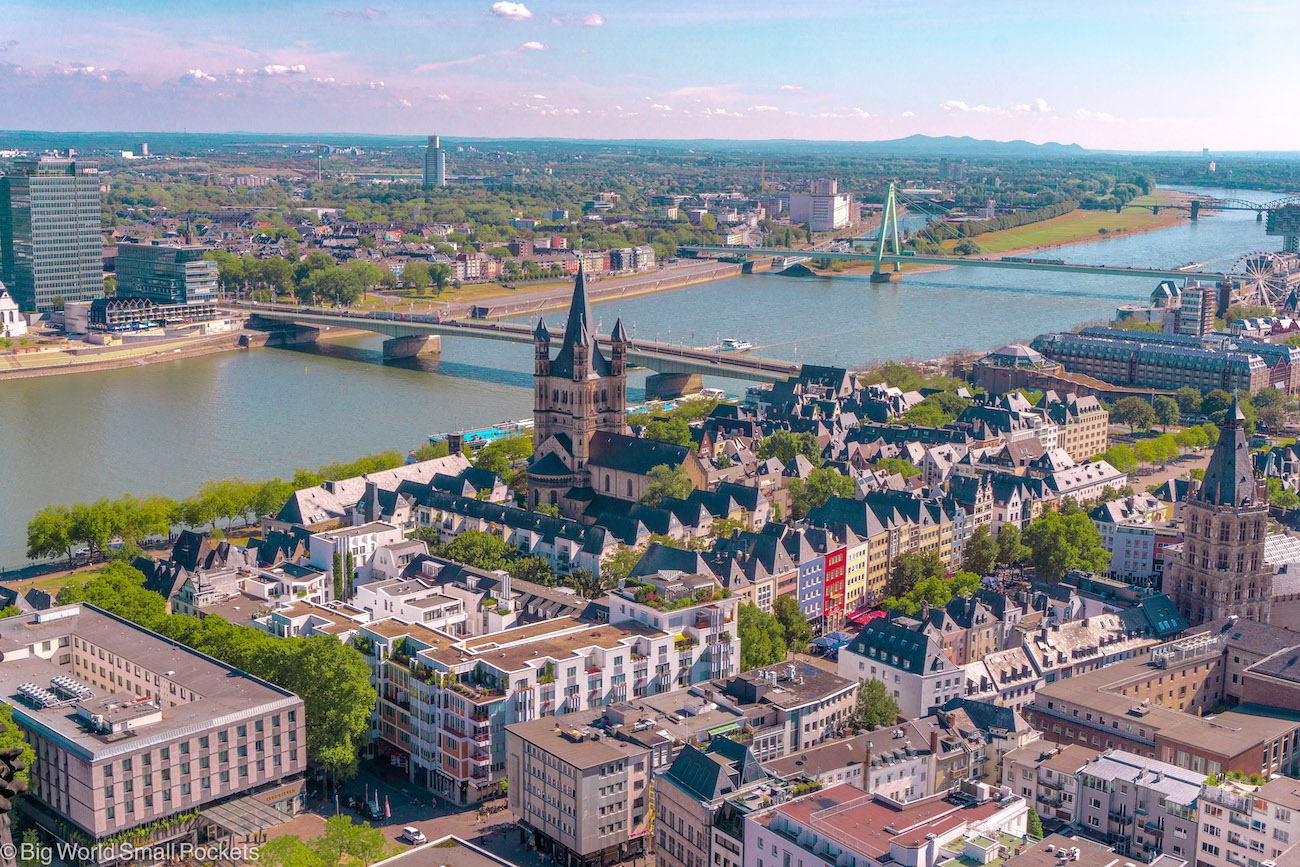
x=1121 y=457
x=338 y=575
x=794 y=623
x=1280 y=495
x=288 y=850
x=93 y=524
x=909 y=569
x=1059 y=544
x=534 y=569
x=617 y=566
x=821 y=485
x=440 y=275
x=935 y=590
x=875 y=706
x=588 y=584
x=342 y=836
x=1010 y=551
x=415 y=276
x=1134 y=412
x=1188 y=400
x=762 y=638
x=12 y=736
x=480 y=549
x=1216 y=402
x=666 y=481
x=672 y=430
x=898 y=466
x=784 y=446
x=1034 y=825
x=981 y=552
x=49 y=533
x=1166 y=411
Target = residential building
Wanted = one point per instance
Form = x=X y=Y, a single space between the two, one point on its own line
x=987 y=732
x=912 y=665
x=1221 y=570
x=584 y=797
x=1141 y=806
x=1149 y=362
x=135 y=733
x=825 y=209
x=843 y=825
x=50 y=244
x=166 y=274
x=1247 y=825
x=1048 y=778
x=1197 y=306
x=415 y=601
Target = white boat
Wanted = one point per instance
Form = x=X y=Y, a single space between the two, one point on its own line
x=731 y=344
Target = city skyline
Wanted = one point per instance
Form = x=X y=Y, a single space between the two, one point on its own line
x=1136 y=76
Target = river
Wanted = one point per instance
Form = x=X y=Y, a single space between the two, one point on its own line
x=168 y=427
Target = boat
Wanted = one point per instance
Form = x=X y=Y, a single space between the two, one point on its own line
x=731 y=344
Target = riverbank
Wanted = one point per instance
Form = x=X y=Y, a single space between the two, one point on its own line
x=115 y=358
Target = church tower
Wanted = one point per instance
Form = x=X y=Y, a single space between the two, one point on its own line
x=1221 y=571
x=576 y=394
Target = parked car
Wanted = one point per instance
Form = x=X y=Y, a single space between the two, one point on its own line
x=414 y=836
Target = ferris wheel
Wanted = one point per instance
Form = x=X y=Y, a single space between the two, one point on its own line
x=1261 y=279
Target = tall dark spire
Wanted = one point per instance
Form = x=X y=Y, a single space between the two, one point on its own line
x=1229 y=477
x=580 y=331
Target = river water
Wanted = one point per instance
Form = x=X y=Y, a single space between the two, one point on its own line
x=168 y=427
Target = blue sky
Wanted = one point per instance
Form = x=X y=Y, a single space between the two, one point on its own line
x=1133 y=75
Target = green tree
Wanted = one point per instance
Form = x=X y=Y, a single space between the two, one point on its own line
x=588 y=584
x=342 y=836
x=94 y=524
x=617 y=566
x=822 y=484
x=762 y=638
x=50 y=534
x=1034 y=825
x=784 y=446
x=1166 y=411
x=794 y=623
x=288 y=850
x=1010 y=551
x=898 y=466
x=1216 y=402
x=666 y=481
x=673 y=430
x=534 y=569
x=875 y=707
x=480 y=549
x=415 y=276
x=338 y=575
x=11 y=736
x=981 y=552
x=936 y=590
x=1134 y=412
x=1059 y=544
x=1188 y=399
x=1119 y=456
x=1280 y=495
x=909 y=569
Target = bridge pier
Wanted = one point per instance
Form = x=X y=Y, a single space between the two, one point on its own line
x=887 y=277
x=1196 y=211
x=662 y=386
x=410 y=347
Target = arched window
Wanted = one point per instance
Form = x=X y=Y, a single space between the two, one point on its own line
x=607 y=483
x=629 y=488
x=554 y=498
x=537 y=497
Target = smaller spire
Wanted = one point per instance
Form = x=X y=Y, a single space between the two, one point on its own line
x=540 y=332
x=1237 y=415
x=620 y=333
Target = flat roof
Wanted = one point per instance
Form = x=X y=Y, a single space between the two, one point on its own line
x=1043 y=853
x=223 y=693
x=552 y=735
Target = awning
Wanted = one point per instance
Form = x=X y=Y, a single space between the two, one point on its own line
x=722 y=730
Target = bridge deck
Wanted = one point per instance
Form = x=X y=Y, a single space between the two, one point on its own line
x=657 y=357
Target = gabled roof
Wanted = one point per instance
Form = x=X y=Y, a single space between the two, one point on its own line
x=633 y=454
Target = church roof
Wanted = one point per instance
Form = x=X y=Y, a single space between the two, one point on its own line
x=1230 y=477
x=579 y=330
x=620 y=333
x=541 y=332
x=632 y=454
x=551 y=465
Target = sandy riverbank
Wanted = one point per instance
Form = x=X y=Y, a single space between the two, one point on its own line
x=127 y=356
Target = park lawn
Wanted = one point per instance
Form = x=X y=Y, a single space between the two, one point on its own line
x=1074 y=227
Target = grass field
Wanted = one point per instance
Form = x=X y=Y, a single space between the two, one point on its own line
x=1074 y=227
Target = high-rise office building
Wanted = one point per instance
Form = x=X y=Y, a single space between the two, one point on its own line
x=435 y=164
x=50 y=244
x=166 y=274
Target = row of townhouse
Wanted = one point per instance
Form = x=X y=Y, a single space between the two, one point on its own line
x=444 y=703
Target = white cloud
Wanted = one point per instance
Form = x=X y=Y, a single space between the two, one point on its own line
x=366 y=14
x=440 y=97
x=959 y=105
x=376 y=85
x=658 y=107
x=539 y=96
x=1085 y=114
x=909 y=114
x=404 y=103
x=196 y=75
x=281 y=69
x=791 y=87
x=533 y=46
x=721 y=112
x=765 y=108
x=594 y=20
x=1040 y=105
x=511 y=10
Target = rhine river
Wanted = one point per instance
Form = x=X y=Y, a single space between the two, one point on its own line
x=168 y=427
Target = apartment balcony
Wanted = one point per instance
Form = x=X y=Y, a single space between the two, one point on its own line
x=1154 y=827
x=481 y=737
x=595 y=669
x=1120 y=818
x=1239 y=822
x=481 y=758
x=479 y=775
x=456 y=733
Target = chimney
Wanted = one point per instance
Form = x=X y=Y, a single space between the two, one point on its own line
x=934 y=741
x=455 y=443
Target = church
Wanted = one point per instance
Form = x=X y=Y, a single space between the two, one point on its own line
x=582 y=451
x=1221 y=571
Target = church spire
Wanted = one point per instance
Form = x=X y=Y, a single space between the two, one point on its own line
x=1230 y=476
x=580 y=356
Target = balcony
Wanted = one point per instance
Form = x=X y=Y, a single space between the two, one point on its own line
x=481 y=737
x=595 y=669
x=1121 y=818
x=456 y=733
x=481 y=758
x=1239 y=822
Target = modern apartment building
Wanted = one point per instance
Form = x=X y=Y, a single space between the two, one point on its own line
x=50 y=243
x=134 y=732
x=1152 y=363
x=1245 y=825
x=1047 y=777
x=1141 y=806
x=444 y=703
x=166 y=274
x=585 y=796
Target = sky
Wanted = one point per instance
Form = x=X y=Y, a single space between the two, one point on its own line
x=1137 y=75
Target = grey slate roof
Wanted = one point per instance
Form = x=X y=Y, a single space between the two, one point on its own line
x=580 y=331
x=1230 y=477
x=633 y=454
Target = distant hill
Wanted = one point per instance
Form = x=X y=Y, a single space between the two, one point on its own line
x=948 y=145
